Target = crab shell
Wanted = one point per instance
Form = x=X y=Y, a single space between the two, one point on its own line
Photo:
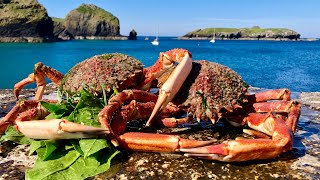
x=210 y=90
x=108 y=70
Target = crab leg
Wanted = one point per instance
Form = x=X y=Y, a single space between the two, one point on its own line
x=148 y=142
x=116 y=102
x=38 y=76
x=57 y=129
x=173 y=83
x=276 y=94
x=250 y=149
x=24 y=110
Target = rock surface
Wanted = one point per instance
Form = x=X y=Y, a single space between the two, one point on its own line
x=59 y=30
x=302 y=162
x=254 y=33
x=91 y=22
x=24 y=21
x=132 y=35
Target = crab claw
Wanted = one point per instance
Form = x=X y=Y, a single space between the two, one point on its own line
x=281 y=140
x=57 y=129
x=170 y=88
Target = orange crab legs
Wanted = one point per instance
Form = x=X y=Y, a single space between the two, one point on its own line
x=38 y=76
x=275 y=94
x=137 y=141
x=250 y=149
x=115 y=104
x=23 y=110
x=148 y=142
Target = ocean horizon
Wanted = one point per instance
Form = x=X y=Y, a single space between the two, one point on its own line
x=263 y=64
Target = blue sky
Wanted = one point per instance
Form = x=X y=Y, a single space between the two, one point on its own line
x=177 y=17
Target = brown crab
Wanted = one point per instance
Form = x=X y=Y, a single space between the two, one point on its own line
x=210 y=92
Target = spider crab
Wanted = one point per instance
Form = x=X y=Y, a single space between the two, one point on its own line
x=202 y=89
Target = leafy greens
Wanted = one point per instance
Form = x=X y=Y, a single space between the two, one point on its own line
x=69 y=159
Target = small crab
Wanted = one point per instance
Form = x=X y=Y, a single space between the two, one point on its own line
x=202 y=89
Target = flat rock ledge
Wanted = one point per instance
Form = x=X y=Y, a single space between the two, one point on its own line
x=311 y=99
x=302 y=162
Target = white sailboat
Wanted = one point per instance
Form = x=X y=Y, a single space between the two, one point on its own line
x=155 y=42
x=213 y=40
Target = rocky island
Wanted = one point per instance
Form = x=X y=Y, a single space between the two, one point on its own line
x=28 y=21
x=88 y=22
x=24 y=21
x=254 y=33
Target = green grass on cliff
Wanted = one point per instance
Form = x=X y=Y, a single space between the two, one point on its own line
x=244 y=31
x=98 y=12
x=29 y=9
x=59 y=20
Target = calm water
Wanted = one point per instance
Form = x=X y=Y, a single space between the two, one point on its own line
x=265 y=64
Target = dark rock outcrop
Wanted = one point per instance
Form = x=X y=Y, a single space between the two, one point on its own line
x=254 y=33
x=59 y=30
x=24 y=21
x=91 y=22
x=132 y=35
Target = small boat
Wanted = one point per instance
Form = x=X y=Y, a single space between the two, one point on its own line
x=213 y=40
x=155 y=42
x=146 y=38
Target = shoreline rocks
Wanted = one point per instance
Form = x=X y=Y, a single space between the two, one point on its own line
x=310 y=99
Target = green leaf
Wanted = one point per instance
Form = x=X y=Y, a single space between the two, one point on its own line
x=88 y=100
x=50 y=147
x=83 y=168
x=204 y=100
x=110 y=155
x=57 y=110
x=43 y=169
x=51 y=107
x=76 y=146
x=91 y=146
x=87 y=116
x=35 y=145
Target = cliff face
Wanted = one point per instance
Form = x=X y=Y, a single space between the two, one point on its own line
x=244 y=33
x=24 y=21
x=59 y=30
x=91 y=22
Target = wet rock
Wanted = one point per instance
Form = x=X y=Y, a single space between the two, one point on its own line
x=14 y=162
x=311 y=99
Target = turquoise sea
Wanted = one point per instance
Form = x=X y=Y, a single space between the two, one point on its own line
x=264 y=64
